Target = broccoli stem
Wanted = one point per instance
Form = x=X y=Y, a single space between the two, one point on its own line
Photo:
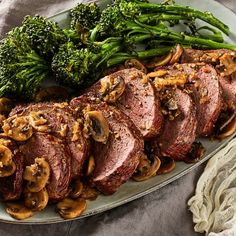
x=148 y=18
x=93 y=33
x=206 y=42
x=107 y=54
x=156 y=32
x=118 y=58
x=186 y=11
x=156 y=18
x=153 y=52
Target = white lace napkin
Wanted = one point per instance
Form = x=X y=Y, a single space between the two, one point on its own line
x=214 y=203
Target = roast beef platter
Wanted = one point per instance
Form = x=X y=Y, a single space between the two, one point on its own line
x=136 y=122
x=143 y=93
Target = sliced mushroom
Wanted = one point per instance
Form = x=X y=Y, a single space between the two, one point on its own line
x=36 y=201
x=160 y=61
x=177 y=80
x=196 y=153
x=112 y=88
x=177 y=53
x=53 y=93
x=158 y=73
x=5 y=155
x=89 y=192
x=18 y=128
x=37 y=175
x=146 y=169
x=76 y=189
x=228 y=130
x=167 y=165
x=91 y=166
x=69 y=208
x=229 y=64
x=134 y=63
x=5 y=105
x=18 y=211
x=225 y=125
x=7 y=170
x=38 y=121
x=97 y=125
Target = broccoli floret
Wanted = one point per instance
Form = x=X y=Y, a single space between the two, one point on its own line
x=84 y=17
x=21 y=69
x=44 y=35
x=71 y=64
x=74 y=66
x=113 y=21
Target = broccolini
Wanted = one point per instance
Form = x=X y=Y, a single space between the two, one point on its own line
x=22 y=70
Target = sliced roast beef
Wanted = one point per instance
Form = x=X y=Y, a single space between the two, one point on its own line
x=11 y=186
x=178 y=134
x=203 y=83
x=63 y=124
x=138 y=101
x=208 y=98
x=207 y=95
x=224 y=62
x=229 y=93
x=57 y=155
x=117 y=159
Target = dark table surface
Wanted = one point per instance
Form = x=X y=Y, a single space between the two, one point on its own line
x=163 y=212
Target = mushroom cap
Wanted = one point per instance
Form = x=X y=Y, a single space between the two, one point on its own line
x=36 y=201
x=37 y=174
x=134 y=63
x=18 y=211
x=146 y=169
x=160 y=61
x=177 y=53
x=112 y=88
x=38 y=121
x=228 y=130
x=5 y=155
x=69 y=208
x=89 y=192
x=8 y=170
x=98 y=125
x=229 y=64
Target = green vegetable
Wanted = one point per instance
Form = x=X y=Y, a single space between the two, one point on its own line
x=120 y=57
x=97 y=40
x=139 y=21
x=74 y=66
x=133 y=22
x=44 y=35
x=84 y=17
x=22 y=70
x=114 y=15
x=184 y=11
